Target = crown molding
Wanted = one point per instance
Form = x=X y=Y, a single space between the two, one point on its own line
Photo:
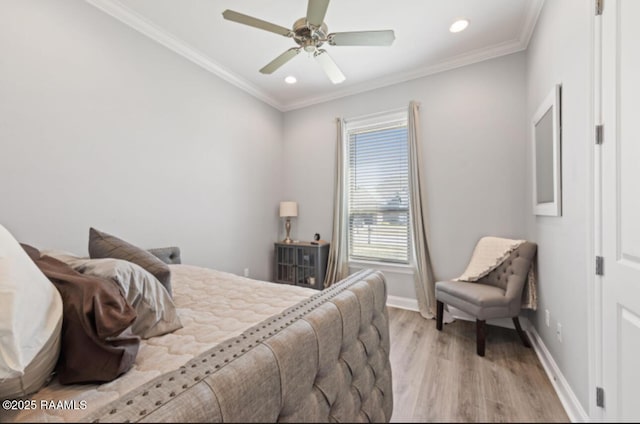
x=530 y=20
x=465 y=59
x=136 y=21
x=475 y=56
x=173 y=43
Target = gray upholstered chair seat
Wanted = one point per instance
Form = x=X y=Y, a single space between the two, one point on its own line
x=482 y=301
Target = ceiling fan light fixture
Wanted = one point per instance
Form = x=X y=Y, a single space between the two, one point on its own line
x=291 y=79
x=310 y=33
x=459 y=25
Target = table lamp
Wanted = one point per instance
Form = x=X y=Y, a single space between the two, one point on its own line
x=288 y=210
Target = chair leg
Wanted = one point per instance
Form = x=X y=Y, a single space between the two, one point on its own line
x=440 y=312
x=480 y=336
x=523 y=336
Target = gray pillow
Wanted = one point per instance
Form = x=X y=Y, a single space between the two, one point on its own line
x=156 y=311
x=103 y=245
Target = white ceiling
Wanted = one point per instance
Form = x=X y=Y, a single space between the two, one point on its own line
x=423 y=45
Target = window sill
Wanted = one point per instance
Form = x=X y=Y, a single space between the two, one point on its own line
x=383 y=266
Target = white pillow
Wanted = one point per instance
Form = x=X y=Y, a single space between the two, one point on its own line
x=30 y=321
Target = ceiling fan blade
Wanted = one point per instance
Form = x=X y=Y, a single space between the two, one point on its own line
x=230 y=15
x=280 y=60
x=329 y=66
x=316 y=10
x=362 y=38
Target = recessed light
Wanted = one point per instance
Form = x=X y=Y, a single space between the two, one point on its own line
x=290 y=79
x=459 y=25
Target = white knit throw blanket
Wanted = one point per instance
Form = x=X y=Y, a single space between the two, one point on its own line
x=490 y=253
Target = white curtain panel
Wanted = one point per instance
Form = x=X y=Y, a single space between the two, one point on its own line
x=423 y=271
x=337 y=267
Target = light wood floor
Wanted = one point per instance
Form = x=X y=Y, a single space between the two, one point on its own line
x=437 y=376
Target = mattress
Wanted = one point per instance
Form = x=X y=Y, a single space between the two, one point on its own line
x=213 y=306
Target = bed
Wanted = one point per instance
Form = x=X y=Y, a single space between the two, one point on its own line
x=249 y=351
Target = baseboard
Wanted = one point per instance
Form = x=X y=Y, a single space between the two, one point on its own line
x=403 y=303
x=570 y=402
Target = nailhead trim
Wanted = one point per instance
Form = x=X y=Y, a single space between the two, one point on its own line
x=323 y=297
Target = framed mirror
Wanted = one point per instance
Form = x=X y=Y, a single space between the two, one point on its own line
x=547 y=166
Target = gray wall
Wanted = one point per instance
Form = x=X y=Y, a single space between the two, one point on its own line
x=560 y=52
x=100 y=126
x=474 y=137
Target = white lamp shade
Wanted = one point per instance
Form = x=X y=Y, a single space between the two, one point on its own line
x=288 y=209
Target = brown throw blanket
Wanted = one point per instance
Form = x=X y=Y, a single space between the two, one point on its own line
x=97 y=344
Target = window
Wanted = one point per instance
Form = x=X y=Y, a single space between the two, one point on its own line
x=378 y=189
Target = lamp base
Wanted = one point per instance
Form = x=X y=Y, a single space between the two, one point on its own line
x=287 y=225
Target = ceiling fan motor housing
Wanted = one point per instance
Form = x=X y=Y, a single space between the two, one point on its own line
x=308 y=37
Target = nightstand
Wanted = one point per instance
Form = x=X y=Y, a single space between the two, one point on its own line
x=301 y=263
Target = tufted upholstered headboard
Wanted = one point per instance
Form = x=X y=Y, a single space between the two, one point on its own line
x=325 y=359
x=168 y=255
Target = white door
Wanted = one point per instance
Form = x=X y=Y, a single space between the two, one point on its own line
x=621 y=209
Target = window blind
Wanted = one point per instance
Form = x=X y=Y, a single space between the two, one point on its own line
x=378 y=192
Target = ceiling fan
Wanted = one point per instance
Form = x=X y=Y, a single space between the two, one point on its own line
x=310 y=33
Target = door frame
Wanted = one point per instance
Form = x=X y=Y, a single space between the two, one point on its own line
x=595 y=282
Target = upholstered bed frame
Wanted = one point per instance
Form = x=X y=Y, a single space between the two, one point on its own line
x=169 y=255
x=325 y=359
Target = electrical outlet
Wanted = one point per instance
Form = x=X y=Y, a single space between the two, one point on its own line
x=246 y=272
x=547 y=317
x=559 y=332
